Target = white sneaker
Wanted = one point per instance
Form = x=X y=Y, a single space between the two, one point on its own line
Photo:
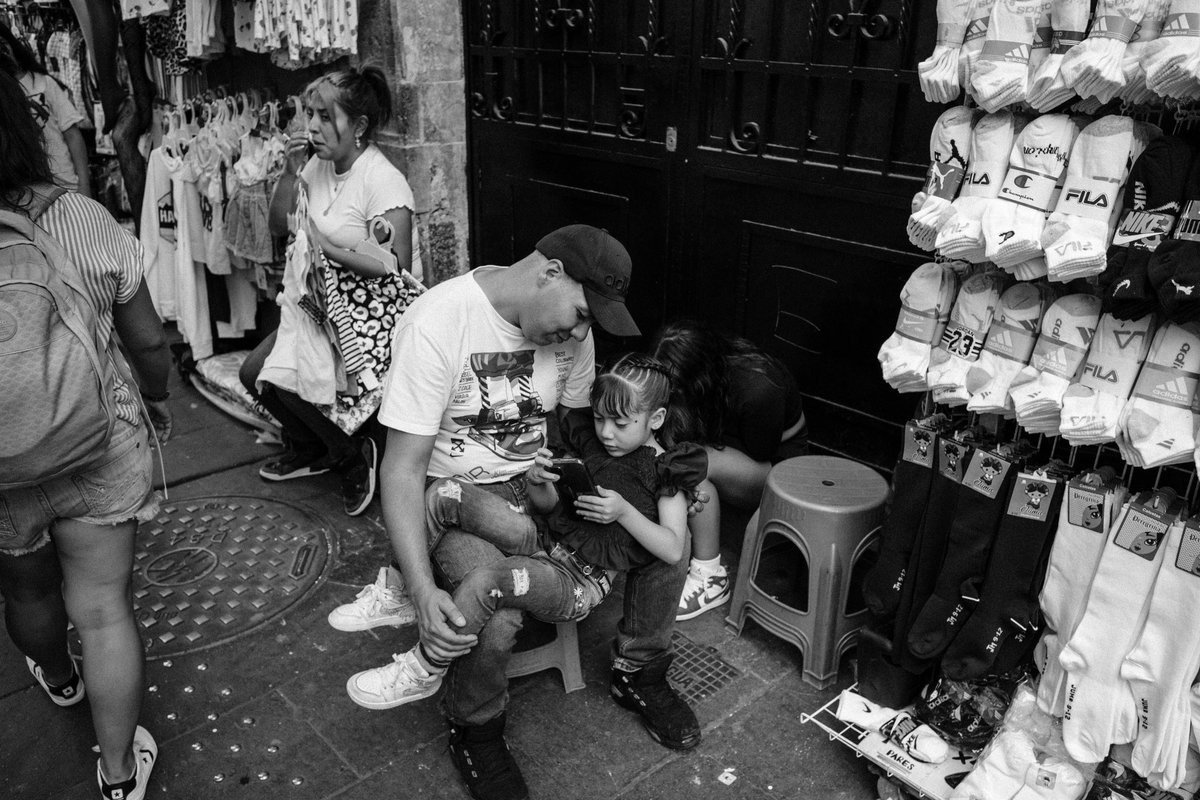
x=394 y=684
x=145 y=753
x=702 y=594
x=377 y=604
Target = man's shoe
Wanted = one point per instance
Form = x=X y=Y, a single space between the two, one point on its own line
x=377 y=604
x=292 y=465
x=358 y=482
x=485 y=763
x=667 y=718
x=700 y=595
x=145 y=753
x=68 y=694
x=402 y=681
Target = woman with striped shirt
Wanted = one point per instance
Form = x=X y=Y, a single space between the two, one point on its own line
x=91 y=516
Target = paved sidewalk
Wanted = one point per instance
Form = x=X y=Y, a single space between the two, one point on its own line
x=266 y=715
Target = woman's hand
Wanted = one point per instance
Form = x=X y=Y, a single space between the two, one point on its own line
x=161 y=418
x=605 y=507
x=298 y=152
x=539 y=474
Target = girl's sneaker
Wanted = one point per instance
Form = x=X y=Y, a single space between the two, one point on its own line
x=377 y=604
x=68 y=694
x=394 y=684
x=145 y=753
x=702 y=594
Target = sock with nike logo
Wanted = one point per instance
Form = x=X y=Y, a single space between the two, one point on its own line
x=1009 y=345
x=1069 y=21
x=938 y=74
x=991 y=143
x=1158 y=424
x=1001 y=74
x=963 y=339
x=1093 y=68
x=1066 y=334
x=949 y=154
x=1013 y=222
x=1174 y=267
x=1092 y=405
x=925 y=303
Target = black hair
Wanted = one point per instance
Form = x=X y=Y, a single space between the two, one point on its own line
x=361 y=92
x=23 y=160
x=632 y=384
x=22 y=57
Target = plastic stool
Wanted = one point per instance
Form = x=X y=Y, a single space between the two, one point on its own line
x=561 y=654
x=830 y=509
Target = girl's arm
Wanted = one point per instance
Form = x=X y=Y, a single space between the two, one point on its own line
x=664 y=539
x=79 y=159
x=539 y=482
x=401 y=221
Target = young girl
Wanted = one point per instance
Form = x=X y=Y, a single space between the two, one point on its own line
x=559 y=567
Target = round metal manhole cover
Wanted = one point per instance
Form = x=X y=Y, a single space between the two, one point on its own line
x=210 y=569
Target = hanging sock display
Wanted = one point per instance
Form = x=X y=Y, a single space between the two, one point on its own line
x=1009 y=345
x=978 y=18
x=925 y=303
x=991 y=143
x=949 y=153
x=1158 y=424
x=938 y=74
x=1173 y=268
x=963 y=339
x=1135 y=91
x=1001 y=74
x=1094 y=68
x=1091 y=407
x=1170 y=61
x=1047 y=88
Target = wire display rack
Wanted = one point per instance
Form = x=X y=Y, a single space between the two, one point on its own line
x=933 y=781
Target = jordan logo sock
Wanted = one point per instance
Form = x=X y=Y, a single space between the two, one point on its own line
x=1157 y=425
x=1038 y=388
x=925 y=303
x=1007 y=600
x=949 y=153
x=1013 y=222
x=1094 y=68
x=939 y=73
x=964 y=337
x=1092 y=406
x=981 y=501
x=1001 y=74
x=1069 y=20
x=1008 y=348
x=991 y=143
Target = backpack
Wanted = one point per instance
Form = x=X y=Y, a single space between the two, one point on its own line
x=57 y=377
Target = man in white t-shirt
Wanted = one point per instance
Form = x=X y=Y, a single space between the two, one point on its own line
x=480 y=362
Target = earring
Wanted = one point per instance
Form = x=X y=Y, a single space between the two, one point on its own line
x=358 y=140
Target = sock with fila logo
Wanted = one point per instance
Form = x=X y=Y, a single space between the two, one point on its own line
x=1077 y=233
x=1099 y=709
x=938 y=74
x=1092 y=405
x=949 y=153
x=1093 y=68
x=1135 y=91
x=964 y=336
x=925 y=303
x=1174 y=266
x=1158 y=425
x=1013 y=222
x=1007 y=598
x=1069 y=21
x=979 y=15
x=1009 y=345
x=1089 y=509
x=1166 y=59
x=1001 y=74
x=1066 y=334
x=991 y=143
x=1162 y=665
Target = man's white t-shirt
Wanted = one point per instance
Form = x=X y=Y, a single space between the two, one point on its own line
x=340 y=206
x=462 y=372
x=55 y=113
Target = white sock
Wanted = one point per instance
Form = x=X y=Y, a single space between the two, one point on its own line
x=1038 y=388
x=1069 y=20
x=1043 y=38
x=963 y=339
x=1000 y=773
x=1165 y=58
x=1094 y=68
x=1013 y=222
x=949 y=152
x=1008 y=348
x=939 y=73
x=1077 y=233
x=1135 y=89
x=1002 y=71
x=706 y=567
x=1092 y=405
x=925 y=303
x=394 y=579
x=918 y=740
x=991 y=143
x=1157 y=426
x=979 y=15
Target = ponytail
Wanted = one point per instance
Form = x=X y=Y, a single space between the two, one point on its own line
x=361 y=92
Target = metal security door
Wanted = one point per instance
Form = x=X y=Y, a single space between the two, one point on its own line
x=757 y=158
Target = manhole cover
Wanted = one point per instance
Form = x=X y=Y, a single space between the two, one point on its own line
x=209 y=569
x=697 y=672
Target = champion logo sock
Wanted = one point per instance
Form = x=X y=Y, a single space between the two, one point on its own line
x=991 y=143
x=949 y=153
x=1092 y=406
x=925 y=303
x=1157 y=425
x=1094 y=68
x=964 y=337
x=1038 y=389
x=1069 y=20
x=1013 y=222
x=938 y=74
x=1001 y=74
x=1008 y=348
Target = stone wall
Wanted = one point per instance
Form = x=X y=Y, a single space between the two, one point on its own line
x=419 y=45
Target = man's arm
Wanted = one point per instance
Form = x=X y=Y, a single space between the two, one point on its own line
x=402 y=495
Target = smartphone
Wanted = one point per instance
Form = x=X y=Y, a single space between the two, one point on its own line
x=574 y=481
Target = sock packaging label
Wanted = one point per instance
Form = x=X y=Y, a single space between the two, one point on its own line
x=920 y=326
x=1189 y=222
x=1032 y=496
x=952 y=458
x=918 y=444
x=1085 y=503
x=1028 y=188
x=1112 y=27
x=944 y=178
x=959 y=340
x=1092 y=198
x=986 y=472
x=1188 y=557
x=1146 y=230
x=1142 y=530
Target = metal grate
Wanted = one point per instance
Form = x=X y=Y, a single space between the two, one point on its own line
x=697 y=672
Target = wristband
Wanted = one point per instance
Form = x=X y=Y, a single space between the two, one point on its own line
x=156 y=398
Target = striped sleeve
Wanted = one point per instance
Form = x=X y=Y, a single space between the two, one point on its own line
x=108 y=257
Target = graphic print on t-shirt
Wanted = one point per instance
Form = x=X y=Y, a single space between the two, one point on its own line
x=509 y=420
x=41 y=111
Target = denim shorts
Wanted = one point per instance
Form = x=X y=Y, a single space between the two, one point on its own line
x=116 y=489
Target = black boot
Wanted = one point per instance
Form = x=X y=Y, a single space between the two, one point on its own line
x=666 y=715
x=484 y=762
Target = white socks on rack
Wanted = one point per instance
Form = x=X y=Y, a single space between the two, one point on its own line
x=1069 y=19
x=991 y=143
x=939 y=73
x=1092 y=405
x=1158 y=424
x=1001 y=74
x=1009 y=345
x=1013 y=222
x=1037 y=390
x=925 y=303
x=918 y=740
x=1135 y=90
x=1094 y=68
x=964 y=336
x=1077 y=234
x=979 y=15
x=1170 y=59
x=949 y=152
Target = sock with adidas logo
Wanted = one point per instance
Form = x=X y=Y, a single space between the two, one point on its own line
x=1157 y=425
x=979 y=15
x=991 y=142
x=1013 y=222
x=1001 y=74
x=1009 y=345
x=1077 y=233
x=1092 y=405
x=949 y=153
x=925 y=303
x=964 y=336
x=1166 y=58
x=1094 y=68
x=938 y=74
x=1037 y=390
x=1135 y=91
x=1068 y=20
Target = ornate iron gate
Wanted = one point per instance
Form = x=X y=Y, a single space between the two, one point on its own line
x=756 y=156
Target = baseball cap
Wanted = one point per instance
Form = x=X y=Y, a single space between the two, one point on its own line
x=601 y=263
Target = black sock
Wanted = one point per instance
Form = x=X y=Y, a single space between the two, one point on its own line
x=910 y=491
x=433 y=662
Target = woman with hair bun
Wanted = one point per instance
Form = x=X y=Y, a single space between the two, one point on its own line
x=355 y=198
